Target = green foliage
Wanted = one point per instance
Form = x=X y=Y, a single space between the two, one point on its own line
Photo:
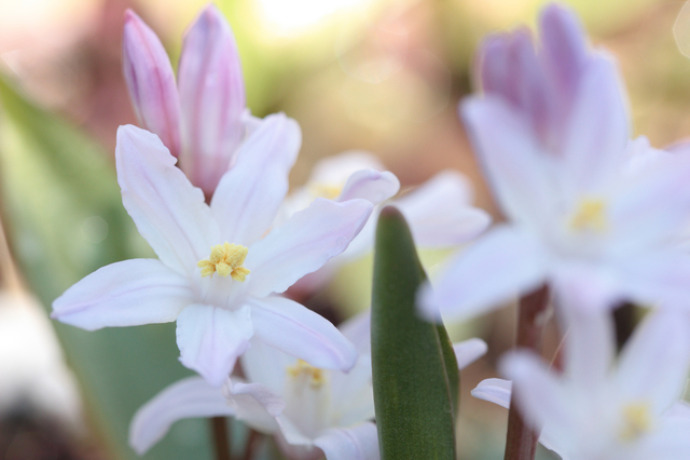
x=63 y=213
x=414 y=367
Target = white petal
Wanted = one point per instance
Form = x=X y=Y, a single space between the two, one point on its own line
x=188 y=398
x=358 y=330
x=589 y=341
x=255 y=405
x=501 y=264
x=336 y=169
x=597 y=132
x=249 y=195
x=304 y=243
x=518 y=169
x=357 y=443
x=211 y=339
x=169 y=212
x=495 y=391
x=371 y=185
x=127 y=293
x=293 y=328
x=540 y=395
x=439 y=211
x=654 y=363
x=212 y=99
x=468 y=351
x=255 y=369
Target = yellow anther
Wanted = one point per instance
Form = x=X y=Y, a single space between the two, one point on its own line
x=636 y=421
x=226 y=259
x=328 y=191
x=302 y=368
x=590 y=215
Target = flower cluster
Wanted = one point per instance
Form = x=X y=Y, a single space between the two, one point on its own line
x=594 y=218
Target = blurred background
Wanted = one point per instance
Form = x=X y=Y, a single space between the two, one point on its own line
x=377 y=75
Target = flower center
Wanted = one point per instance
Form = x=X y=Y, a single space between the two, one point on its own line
x=325 y=190
x=590 y=215
x=636 y=421
x=226 y=259
x=304 y=370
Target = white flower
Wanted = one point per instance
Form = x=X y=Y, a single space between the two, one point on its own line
x=599 y=408
x=309 y=409
x=219 y=266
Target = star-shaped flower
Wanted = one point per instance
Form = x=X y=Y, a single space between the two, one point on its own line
x=221 y=265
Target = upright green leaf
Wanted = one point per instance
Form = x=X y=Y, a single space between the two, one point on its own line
x=63 y=212
x=414 y=368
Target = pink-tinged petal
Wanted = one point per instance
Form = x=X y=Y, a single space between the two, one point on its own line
x=248 y=196
x=565 y=48
x=509 y=69
x=255 y=405
x=597 y=132
x=189 y=398
x=371 y=185
x=439 y=211
x=542 y=399
x=211 y=339
x=358 y=331
x=336 y=169
x=357 y=443
x=151 y=82
x=212 y=99
x=495 y=391
x=304 y=243
x=500 y=265
x=168 y=211
x=518 y=169
x=655 y=362
x=127 y=293
x=468 y=351
x=284 y=324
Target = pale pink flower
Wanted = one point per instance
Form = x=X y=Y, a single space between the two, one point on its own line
x=556 y=153
x=203 y=119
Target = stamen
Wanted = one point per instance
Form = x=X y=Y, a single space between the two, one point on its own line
x=302 y=368
x=590 y=215
x=324 y=190
x=226 y=259
x=637 y=421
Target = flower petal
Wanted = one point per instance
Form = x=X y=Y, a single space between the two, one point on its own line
x=249 y=195
x=127 y=293
x=304 y=243
x=151 y=82
x=597 y=132
x=439 y=211
x=495 y=391
x=212 y=99
x=371 y=185
x=501 y=264
x=655 y=362
x=255 y=405
x=188 y=398
x=509 y=69
x=293 y=328
x=211 y=339
x=468 y=351
x=565 y=49
x=168 y=211
x=542 y=399
x=517 y=167
x=357 y=443
x=255 y=369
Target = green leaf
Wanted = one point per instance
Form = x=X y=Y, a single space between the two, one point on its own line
x=63 y=213
x=414 y=367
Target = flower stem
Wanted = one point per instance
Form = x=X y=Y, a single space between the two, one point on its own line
x=221 y=441
x=521 y=441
